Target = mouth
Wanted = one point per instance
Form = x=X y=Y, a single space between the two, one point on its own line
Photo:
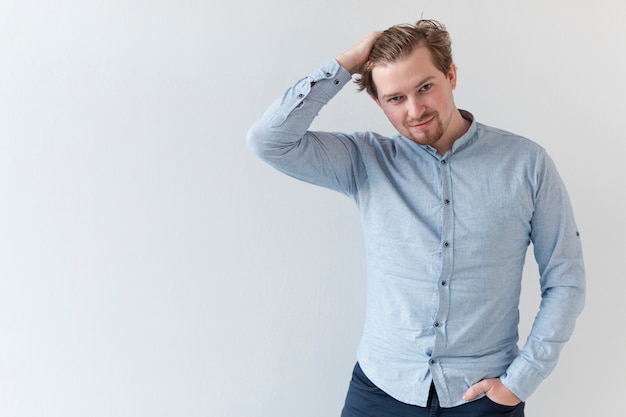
x=421 y=124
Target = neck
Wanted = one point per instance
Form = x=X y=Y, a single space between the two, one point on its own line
x=457 y=128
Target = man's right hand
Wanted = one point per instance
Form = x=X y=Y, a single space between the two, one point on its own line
x=354 y=58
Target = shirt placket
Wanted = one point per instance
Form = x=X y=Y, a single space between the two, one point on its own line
x=443 y=284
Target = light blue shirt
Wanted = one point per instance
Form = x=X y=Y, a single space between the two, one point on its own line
x=445 y=240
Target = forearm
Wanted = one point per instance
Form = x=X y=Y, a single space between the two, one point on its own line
x=552 y=328
x=281 y=137
x=276 y=135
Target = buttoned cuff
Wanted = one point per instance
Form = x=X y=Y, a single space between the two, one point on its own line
x=330 y=78
x=521 y=378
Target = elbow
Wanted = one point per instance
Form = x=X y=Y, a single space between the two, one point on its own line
x=270 y=144
x=255 y=139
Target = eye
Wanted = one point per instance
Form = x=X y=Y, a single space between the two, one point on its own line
x=394 y=99
x=426 y=87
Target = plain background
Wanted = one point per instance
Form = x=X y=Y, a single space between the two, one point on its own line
x=150 y=265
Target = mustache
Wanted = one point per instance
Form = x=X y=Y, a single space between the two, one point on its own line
x=424 y=118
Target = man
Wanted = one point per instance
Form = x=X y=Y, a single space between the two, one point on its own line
x=449 y=207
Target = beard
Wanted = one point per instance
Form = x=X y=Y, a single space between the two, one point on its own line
x=428 y=136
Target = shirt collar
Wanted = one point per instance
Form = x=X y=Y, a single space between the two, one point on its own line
x=462 y=141
x=467 y=136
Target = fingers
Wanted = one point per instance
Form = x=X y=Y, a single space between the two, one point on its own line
x=477 y=389
x=494 y=389
x=354 y=58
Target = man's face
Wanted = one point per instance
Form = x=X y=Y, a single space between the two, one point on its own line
x=417 y=98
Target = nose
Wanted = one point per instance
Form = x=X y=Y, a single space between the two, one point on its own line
x=415 y=108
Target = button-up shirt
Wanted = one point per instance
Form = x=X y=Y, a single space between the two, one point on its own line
x=445 y=239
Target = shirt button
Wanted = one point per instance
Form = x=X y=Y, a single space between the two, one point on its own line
x=431 y=362
x=443 y=162
x=336 y=82
x=446 y=201
x=300 y=95
x=328 y=75
x=446 y=244
x=437 y=324
x=443 y=283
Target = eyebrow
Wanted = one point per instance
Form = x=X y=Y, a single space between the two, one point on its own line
x=421 y=83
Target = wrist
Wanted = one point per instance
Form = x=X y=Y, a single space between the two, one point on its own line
x=348 y=63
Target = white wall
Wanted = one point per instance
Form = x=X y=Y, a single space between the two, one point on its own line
x=150 y=265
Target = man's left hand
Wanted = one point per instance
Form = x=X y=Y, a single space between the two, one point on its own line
x=495 y=390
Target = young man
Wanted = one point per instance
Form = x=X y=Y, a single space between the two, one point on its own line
x=449 y=207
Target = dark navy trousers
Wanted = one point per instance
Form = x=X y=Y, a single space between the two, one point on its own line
x=365 y=399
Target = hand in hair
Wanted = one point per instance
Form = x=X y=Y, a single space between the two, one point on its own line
x=354 y=58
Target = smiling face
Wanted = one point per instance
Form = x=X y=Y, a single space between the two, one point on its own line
x=417 y=99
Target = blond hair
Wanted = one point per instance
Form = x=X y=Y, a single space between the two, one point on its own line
x=399 y=41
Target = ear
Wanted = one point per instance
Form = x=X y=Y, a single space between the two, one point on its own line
x=376 y=100
x=451 y=75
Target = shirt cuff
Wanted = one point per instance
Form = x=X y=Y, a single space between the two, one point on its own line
x=330 y=78
x=521 y=378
